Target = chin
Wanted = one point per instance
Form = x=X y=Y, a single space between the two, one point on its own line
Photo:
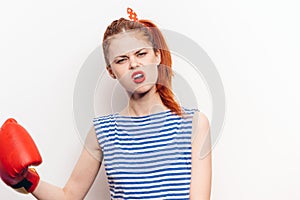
x=142 y=90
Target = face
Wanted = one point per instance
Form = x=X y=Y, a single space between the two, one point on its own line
x=133 y=62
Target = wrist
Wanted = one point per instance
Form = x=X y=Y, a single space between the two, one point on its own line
x=29 y=183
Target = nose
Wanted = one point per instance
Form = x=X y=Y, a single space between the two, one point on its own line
x=133 y=62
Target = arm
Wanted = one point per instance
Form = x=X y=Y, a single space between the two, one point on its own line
x=201 y=159
x=82 y=177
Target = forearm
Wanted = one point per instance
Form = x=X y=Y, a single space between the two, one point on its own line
x=78 y=184
x=47 y=191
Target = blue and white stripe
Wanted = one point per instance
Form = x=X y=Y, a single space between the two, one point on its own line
x=147 y=157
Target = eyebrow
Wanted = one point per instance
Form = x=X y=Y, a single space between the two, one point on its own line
x=138 y=51
x=124 y=56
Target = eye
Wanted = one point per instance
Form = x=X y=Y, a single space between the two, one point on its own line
x=141 y=54
x=120 y=61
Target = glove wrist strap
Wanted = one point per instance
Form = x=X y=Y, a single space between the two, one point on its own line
x=29 y=183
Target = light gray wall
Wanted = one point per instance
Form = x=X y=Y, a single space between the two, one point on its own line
x=253 y=44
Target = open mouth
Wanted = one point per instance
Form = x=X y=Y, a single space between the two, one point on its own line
x=138 y=76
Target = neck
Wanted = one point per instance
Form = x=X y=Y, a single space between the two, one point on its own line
x=144 y=104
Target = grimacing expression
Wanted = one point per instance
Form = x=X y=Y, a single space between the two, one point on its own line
x=133 y=61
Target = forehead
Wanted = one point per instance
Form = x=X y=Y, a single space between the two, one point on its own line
x=126 y=42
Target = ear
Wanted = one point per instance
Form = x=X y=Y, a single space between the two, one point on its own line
x=111 y=73
x=158 y=56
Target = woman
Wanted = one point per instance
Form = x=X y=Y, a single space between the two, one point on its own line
x=151 y=148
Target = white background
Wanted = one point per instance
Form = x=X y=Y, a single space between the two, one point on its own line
x=254 y=44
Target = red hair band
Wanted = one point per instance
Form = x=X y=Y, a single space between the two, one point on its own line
x=132 y=15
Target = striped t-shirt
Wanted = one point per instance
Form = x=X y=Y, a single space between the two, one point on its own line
x=147 y=157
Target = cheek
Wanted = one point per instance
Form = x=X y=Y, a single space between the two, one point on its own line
x=125 y=79
x=154 y=60
x=120 y=71
x=151 y=73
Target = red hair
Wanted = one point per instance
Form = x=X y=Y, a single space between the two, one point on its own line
x=155 y=37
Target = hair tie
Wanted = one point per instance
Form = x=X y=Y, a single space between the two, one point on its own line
x=132 y=15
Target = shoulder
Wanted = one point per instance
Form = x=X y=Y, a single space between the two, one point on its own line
x=103 y=117
x=200 y=125
x=200 y=119
x=104 y=120
x=105 y=124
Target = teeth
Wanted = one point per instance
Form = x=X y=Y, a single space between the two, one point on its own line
x=138 y=76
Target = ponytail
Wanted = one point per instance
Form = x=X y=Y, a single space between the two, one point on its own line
x=165 y=72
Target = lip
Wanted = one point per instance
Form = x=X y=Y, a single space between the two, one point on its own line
x=138 y=80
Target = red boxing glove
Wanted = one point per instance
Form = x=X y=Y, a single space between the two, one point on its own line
x=17 y=152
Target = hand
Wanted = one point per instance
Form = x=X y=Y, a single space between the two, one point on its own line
x=17 y=152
